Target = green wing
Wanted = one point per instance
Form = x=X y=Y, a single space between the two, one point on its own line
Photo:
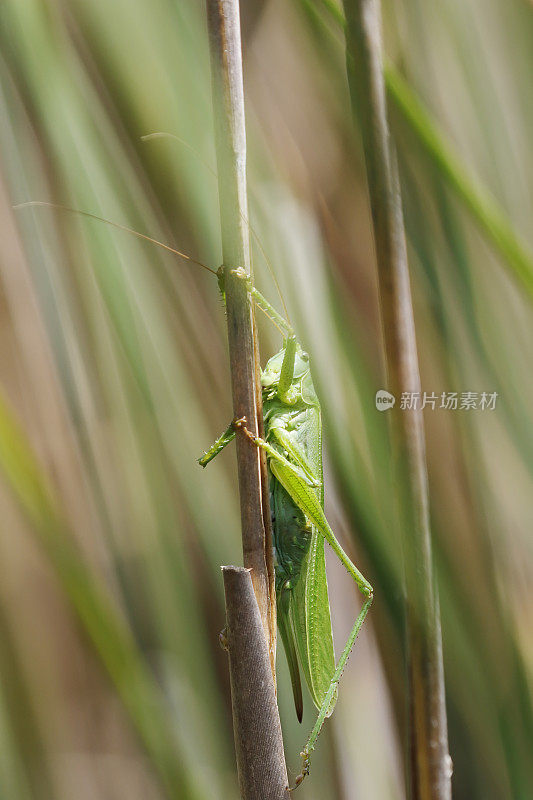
x=311 y=622
x=308 y=600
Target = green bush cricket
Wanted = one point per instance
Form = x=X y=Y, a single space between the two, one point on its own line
x=293 y=445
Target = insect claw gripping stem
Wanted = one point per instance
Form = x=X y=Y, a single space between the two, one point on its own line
x=223 y=639
x=239 y=424
x=263 y=304
x=304 y=773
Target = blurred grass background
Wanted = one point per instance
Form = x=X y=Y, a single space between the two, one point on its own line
x=114 y=370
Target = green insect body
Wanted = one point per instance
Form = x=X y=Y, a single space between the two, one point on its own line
x=293 y=445
x=294 y=428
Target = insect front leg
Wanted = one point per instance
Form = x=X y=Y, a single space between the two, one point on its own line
x=285 y=390
x=263 y=303
x=218 y=445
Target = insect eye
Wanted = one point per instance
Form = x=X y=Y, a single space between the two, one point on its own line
x=305 y=356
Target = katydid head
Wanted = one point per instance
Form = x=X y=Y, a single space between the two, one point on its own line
x=272 y=372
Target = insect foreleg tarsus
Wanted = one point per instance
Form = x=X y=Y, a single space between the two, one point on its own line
x=262 y=302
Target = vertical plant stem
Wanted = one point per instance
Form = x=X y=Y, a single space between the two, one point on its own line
x=230 y=140
x=257 y=730
x=256 y=725
x=429 y=763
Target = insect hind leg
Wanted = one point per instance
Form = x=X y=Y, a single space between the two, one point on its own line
x=328 y=697
x=273 y=454
x=295 y=482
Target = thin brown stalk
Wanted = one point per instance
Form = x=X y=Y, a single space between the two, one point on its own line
x=256 y=725
x=259 y=745
x=230 y=139
x=428 y=759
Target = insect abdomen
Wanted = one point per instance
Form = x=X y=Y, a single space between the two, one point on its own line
x=292 y=535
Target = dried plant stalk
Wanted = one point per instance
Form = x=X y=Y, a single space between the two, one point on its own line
x=251 y=618
x=429 y=762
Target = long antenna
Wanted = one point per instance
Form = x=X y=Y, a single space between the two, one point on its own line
x=139 y=235
x=165 y=135
x=120 y=227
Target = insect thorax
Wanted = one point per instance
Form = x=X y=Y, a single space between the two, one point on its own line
x=299 y=422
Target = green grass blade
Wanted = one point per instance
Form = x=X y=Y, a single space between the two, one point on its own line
x=485 y=210
x=110 y=637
